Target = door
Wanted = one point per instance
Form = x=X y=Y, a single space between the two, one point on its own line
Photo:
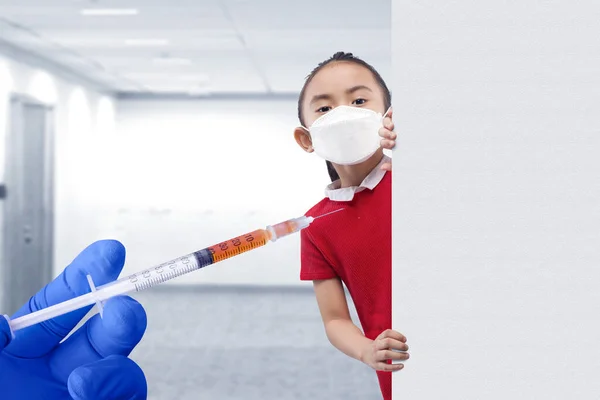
x=28 y=208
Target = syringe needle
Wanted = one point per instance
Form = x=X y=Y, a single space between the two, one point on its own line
x=329 y=213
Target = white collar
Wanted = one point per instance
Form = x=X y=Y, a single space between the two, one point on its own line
x=335 y=193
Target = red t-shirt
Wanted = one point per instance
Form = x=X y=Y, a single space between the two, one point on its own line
x=355 y=245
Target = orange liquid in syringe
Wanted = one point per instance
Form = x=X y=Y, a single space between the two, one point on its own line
x=239 y=245
x=250 y=241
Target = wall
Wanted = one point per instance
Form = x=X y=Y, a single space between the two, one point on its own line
x=182 y=175
x=82 y=114
x=497 y=199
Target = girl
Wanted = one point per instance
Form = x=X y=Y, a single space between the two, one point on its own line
x=341 y=108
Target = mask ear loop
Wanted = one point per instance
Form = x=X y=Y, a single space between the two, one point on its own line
x=386 y=113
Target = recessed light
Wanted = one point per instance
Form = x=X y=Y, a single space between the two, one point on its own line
x=146 y=42
x=103 y=12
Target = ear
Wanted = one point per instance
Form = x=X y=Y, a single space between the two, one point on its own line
x=303 y=139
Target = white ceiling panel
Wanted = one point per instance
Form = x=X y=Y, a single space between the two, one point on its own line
x=128 y=40
x=307 y=41
x=182 y=46
x=310 y=14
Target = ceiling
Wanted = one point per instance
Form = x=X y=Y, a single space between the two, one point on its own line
x=198 y=46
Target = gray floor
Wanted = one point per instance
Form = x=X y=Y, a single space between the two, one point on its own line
x=236 y=343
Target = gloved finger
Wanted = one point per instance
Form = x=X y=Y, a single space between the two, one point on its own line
x=102 y=260
x=117 y=333
x=6 y=334
x=113 y=378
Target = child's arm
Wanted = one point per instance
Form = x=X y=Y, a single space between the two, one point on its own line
x=341 y=331
x=348 y=338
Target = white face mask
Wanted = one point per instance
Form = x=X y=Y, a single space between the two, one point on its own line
x=346 y=135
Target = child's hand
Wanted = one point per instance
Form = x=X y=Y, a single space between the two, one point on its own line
x=387 y=346
x=388 y=135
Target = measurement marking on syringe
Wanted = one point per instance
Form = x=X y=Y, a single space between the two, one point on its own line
x=220 y=255
x=163 y=277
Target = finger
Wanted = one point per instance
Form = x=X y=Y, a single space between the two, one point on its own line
x=6 y=333
x=388 y=144
x=389 y=333
x=391 y=344
x=384 y=355
x=390 y=355
x=388 y=123
x=102 y=260
x=113 y=378
x=117 y=333
x=387 y=134
x=381 y=366
x=389 y=113
x=386 y=166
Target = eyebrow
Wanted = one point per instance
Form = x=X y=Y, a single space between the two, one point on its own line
x=357 y=88
x=351 y=90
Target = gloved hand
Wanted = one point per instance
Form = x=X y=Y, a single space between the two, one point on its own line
x=91 y=364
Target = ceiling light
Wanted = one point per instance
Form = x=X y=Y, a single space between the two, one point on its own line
x=146 y=42
x=103 y=12
x=43 y=88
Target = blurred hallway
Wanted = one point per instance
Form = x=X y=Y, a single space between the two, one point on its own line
x=244 y=344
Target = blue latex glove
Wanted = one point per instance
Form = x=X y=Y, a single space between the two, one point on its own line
x=92 y=363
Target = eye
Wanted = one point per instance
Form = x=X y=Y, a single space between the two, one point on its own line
x=359 y=102
x=324 y=109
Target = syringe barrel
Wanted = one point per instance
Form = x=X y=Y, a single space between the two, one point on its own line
x=288 y=227
x=197 y=260
x=238 y=245
x=166 y=271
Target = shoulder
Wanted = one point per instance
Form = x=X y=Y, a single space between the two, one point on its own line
x=324 y=206
x=321 y=207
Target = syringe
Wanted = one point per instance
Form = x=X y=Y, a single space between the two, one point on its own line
x=169 y=270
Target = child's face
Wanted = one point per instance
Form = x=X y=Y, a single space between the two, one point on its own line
x=336 y=84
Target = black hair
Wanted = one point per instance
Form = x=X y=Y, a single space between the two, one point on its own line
x=347 y=57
